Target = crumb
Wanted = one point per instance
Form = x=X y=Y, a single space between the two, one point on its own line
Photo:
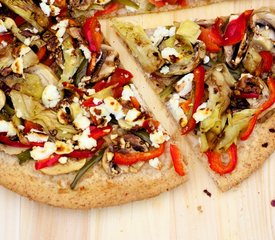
x=209 y=194
x=272 y=203
x=265 y=145
x=200 y=209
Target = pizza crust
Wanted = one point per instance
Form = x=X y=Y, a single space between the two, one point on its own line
x=252 y=153
x=95 y=189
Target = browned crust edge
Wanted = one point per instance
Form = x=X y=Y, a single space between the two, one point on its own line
x=252 y=153
x=96 y=188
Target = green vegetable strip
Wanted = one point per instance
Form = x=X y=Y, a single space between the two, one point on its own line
x=128 y=3
x=24 y=156
x=86 y=167
x=144 y=136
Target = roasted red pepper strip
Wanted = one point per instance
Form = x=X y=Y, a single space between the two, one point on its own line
x=133 y=157
x=199 y=75
x=92 y=33
x=247 y=95
x=212 y=37
x=90 y=103
x=29 y=125
x=216 y=164
x=135 y=102
x=41 y=53
x=7 y=37
x=108 y=9
x=271 y=100
x=177 y=159
x=19 y=21
x=7 y=141
x=48 y=162
x=97 y=133
x=150 y=125
x=236 y=29
x=266 y=63
x=157 y=3
x=119 y=78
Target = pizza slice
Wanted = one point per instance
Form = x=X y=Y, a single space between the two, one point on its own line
x=216 y=78
x=74 y=131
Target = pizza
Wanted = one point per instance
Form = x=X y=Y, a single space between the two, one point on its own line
x=109 y=8
x=74 y=131
x=216 y=79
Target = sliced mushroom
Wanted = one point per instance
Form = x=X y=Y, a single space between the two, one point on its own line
x=235 y=53
x=262 y=24
x=107 y=64
x=183 y=67
x=108 y=165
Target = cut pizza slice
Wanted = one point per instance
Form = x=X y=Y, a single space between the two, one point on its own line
x=109 y=8
x=216 y=78
x=74 y=131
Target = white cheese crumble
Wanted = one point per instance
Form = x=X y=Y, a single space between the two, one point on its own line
x=114 y=107
x=164 y=70
x=63 y=147
x=162 y=32
x=63 y=160
x=81 y=122
x=155 y=163
x=132 y=115
x=7 y=127
x=3 y=29
x=176 y=110
x=61 y=29
x=130 y=9
x=50 y=96
x=49 y=9
x=86 y=51
x=168 y=51
x=37 y=137
x=202 y=113
x=206 y=59
x=100 y=112
x=127 y=93
x=40 y=153
x=184 y=85
x=84 y=141
x=158 y=137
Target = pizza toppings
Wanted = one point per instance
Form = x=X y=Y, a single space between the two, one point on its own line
x=214 y=76
x=67 y=114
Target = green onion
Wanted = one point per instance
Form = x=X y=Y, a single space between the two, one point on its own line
x=87 y=166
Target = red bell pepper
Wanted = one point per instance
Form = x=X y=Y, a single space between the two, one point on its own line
x=29 y=125
x=134 y=157
x=7 y=141
x=135 y=102
x=182 y=3
x=108 y=9
x=19 y=21
x=90 y=103
x=150 y=125
x=48 y=162
x=7 y=37
x=49 y=60
x=157 y=3
x=97 y=133
x=236 y=29
x=117 y=92
x=247 y=95
x=92 y=33
x=216 y=164
x=177 y=159
x=41 y=53
x=212 y=36
x=266 y=63
x=119 y=78
x=199 y=75
x=271 y=100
